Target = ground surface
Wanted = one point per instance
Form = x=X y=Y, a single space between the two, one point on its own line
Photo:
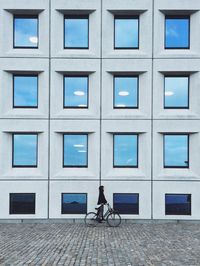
x=75 y=244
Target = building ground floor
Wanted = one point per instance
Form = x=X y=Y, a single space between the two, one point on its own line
x=71 y=199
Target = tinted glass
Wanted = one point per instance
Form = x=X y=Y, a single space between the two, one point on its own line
x=24 y=150
x=177 y=32
x=76 y=92
x=25 y=91
x=126 y=203
x=125 y=150
x=176 y=92
x=126 y=33
x=125 y=92
x=75 y=150
x=76 y=33
x=176 y=151
x=178 y=204
x=26 y=32
x=21 y=203
x=74 y=203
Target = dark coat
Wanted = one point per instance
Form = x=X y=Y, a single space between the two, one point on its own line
x=101 y=199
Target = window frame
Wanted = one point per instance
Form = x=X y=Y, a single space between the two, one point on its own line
x=13 y=91
x=24 y=166
x=188 y=150
x=126 y=134
x=126 y=76
x=127 y=17
x=189 y=32
x=87 y=157
x=138 y=202
x=25 y=17
x=76 y=193
x=75 y=76
x=181 y=194
x=10 y=203
x=68 y=16
x=188 y=100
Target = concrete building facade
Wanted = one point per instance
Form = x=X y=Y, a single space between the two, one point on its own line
x=153 y=183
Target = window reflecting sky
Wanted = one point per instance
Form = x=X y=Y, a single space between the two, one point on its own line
x=25 y=91
x=19 y=197
x=125 y=92
x=176 y=92
x=76 y=32
x=175 y=198
x=126 y=33
x=125 y=150
x=75 y=92
x=25 y=150
x=80 y=198
x=26 y=32
x=176 y=150
x=75 y=150
x=125 y=198
x=177 y=33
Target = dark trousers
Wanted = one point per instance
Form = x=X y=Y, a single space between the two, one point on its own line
x=100 y=211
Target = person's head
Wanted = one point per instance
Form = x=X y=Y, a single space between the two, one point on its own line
x=101 y=188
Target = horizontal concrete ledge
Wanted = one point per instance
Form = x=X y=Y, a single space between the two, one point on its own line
x=81 y=221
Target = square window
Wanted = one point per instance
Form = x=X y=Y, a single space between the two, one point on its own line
x=177 y=32
x=126 y=203
x=76 y=92
x=25 y=91
x=25 y=31
x=178 y=204
x=125 y=150
x=76 y=31
x=126 y=32
x=125 y=92
x=75 y=150
x=25 y=150
x=176 y=151
x=74 y=203
x=176 y=93
x=22 y=203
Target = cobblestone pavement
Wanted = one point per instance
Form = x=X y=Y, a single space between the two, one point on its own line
x=75 y=244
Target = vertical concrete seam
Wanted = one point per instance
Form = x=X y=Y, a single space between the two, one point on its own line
x=152 y=101
x=101 y=89
x=49 y=109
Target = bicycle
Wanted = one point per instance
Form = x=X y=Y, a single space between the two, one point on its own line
x=111 y=216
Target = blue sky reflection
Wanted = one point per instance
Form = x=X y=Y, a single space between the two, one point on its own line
x=176 y=150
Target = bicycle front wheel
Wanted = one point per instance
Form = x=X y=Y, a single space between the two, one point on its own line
x=91 y=219
x=114 y=219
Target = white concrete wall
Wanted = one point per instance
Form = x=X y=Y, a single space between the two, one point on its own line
x=101 y=62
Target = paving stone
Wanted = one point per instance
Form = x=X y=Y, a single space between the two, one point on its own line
x=74 y=244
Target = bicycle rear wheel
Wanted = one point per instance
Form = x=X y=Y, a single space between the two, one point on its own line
x=91 y=219
x=114 y=219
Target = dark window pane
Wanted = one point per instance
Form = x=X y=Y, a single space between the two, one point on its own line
x=125 y=150
x=75 y=150
x=26 y=32
x=22 y=203
x=176 y=151
x=126 y=32
x=25 y=91
x=177 y=32
x=24 y=150
x=76 y=32
x=127 y=203
x=126 y=92
x=76 y=92
x=176 y=92
x=177 y=204
x=74 y=203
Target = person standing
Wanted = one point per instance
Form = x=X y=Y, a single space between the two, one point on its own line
x=101 y=201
